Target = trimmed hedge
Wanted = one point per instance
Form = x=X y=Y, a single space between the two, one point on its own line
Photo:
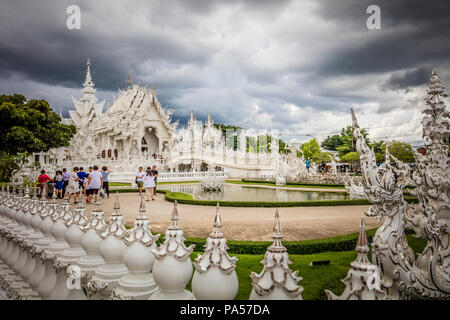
x=184 y=198
x=339 y=243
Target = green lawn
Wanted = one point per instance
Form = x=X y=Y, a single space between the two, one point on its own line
x=315 y=279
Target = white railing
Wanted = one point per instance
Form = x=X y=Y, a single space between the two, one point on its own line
x=168 y=176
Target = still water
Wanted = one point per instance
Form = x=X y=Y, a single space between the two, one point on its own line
x=233 y=192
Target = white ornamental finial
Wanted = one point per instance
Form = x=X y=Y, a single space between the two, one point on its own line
x=363 y=279
x=142 y=230
x=217 y=224
x=276 y=281
x=215 y=265
x=116 y=224
x=175 y=217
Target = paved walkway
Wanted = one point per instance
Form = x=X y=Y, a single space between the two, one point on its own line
x=298 y=223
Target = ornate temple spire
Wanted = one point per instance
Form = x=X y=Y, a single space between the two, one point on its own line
x=128 y=81
x=88 y=85
x=436 y=118
x=209 y=121
x=191 y=121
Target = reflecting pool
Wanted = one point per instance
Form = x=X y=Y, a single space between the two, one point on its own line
x=232 y=192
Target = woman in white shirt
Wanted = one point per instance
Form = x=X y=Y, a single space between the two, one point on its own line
x=149 y=183
x=95 y=183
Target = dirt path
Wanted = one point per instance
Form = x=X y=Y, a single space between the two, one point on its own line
x=244 y=223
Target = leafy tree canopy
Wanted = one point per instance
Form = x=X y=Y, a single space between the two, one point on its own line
x=350 y=157
x=401 y=150
x=344 y=142
x=30 y=126
x=310 y=149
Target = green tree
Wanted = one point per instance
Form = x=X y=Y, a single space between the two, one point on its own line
x=310 y=149
x=30 y=126
x=344 y=142
x=350 y=157
x=332 y=142
x=322 y=157
x=401 y=150
x=27 y=127
x=379 y=149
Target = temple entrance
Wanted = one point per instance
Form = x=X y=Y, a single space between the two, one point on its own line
x=150 y=142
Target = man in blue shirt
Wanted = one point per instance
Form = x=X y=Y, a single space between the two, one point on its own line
x=307 y=165
x=82 y=175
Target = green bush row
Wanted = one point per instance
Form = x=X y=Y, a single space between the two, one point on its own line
x=339 y=243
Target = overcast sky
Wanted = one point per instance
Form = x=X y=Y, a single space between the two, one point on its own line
x=295 y=66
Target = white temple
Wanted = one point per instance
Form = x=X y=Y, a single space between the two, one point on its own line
x=135 y=130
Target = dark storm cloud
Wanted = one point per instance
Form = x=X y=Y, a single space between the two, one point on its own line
x=262 y=63
x=413 y=33
x=406 y=79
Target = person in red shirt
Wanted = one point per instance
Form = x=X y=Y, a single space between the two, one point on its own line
x=43 y=183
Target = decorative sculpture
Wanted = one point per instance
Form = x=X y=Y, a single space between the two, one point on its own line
x=106 y=276
x=215 y=276
x=354 y=188
x=403 y=276
x=139 y=259
x=276 y=281
x=91 y=240
x=363 y=281
x=172 y=269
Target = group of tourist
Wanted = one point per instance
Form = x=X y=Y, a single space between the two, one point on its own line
x=148 y=181
x=91 y=183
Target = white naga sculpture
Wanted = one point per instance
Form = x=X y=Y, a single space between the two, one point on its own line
x=403 y=275
x=276 y=281
x=363 y=281
x=212 y=183
x=215 y=276
x=354 y=188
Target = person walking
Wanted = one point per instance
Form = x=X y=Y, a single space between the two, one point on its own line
x=308 y=164
x=149 y=184
x=66 y=176
x=105 y=175
x=95 y=182
x=43 y=180
x=140 y=179
x=81 y=175
x=59 y=184
x=73 y=187
x=87 y=188
x=155 y=174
